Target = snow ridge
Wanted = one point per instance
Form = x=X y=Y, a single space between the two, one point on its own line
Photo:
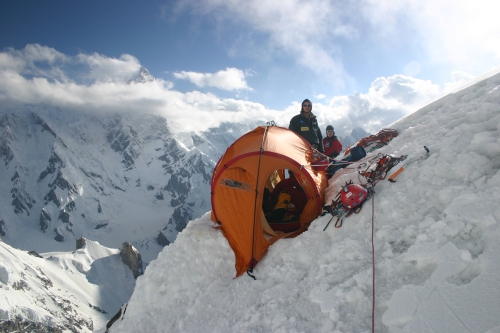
x=78 y=291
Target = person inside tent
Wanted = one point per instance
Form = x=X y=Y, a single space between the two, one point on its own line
x=306 y=125
x=331 y=143
x=289 y=200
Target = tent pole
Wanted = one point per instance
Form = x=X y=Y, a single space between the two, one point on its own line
x=255 y=200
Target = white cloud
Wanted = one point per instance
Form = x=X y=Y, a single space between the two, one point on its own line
x=228 y=79
x=304 y=29
x=41 y=61
x=454 y=34
x=103 y=68
x=37 y=53
x=387 y=100
x=468 y=31
x=101 y=86
x=34 y=60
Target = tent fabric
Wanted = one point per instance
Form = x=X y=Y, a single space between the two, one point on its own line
x=238 y=183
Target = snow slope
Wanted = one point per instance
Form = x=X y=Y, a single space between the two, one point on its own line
x=436 y=248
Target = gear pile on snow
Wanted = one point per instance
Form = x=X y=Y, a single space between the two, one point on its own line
x=350 y=187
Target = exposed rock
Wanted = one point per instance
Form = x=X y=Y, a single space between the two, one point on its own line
x=132 y=258
x=180 y=218
x=2 y=227
x=59 y=237
x=162 y=240
x=100 y=225
x=55 y=163
x=142 y=77
x=81 y=243
x=5 y=150
x=45 y=127
x=64 y=216
x=20 y=285
x=116 y=317
x=51 y=197
x=34 y=254
x=179 y=187
x=44 y=220
x=70 y=206
x=95 y=307
x=22 y=200
x=20 y=325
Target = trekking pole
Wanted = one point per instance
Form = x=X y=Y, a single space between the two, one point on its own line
x=411 y=160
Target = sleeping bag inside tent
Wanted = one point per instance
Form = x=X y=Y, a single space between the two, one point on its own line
x=263 y=189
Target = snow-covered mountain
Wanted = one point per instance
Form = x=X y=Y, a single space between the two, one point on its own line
x=356 y=134
x=111 y=178
x=142 y=77
x=434 y=234
x=74 y=291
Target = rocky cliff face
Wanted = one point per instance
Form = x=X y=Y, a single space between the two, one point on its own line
x=132 y=258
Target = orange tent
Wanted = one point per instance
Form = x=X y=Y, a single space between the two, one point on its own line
x=252 y=166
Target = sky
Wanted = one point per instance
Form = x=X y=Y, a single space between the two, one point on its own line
x=435 y=239
x=363 y=63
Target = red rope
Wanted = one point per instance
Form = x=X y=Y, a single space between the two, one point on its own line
x=373 y=262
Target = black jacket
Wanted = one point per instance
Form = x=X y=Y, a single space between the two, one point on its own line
x=308 y=129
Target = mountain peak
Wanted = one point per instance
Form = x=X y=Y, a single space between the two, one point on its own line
x=357 y=134
x=142 y=77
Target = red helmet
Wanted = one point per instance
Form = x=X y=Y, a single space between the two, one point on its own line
x=353 y=195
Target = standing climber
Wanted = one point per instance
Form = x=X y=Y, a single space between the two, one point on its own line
x=306 y=125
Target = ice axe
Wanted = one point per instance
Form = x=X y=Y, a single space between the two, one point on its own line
x=411 y=160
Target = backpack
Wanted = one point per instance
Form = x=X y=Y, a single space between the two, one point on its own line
x=372 y=142
x=355 y=154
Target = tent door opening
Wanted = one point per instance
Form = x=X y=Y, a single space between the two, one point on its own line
x=283 y=202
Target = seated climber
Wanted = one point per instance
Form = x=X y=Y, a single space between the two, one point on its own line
x=287 y=194
x=331 y=143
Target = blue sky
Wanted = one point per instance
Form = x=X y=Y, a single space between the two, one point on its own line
x=274 y=54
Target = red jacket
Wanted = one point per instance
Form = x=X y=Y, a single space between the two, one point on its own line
x=332 y=146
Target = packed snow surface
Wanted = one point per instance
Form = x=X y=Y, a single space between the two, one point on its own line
x=436 y=248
